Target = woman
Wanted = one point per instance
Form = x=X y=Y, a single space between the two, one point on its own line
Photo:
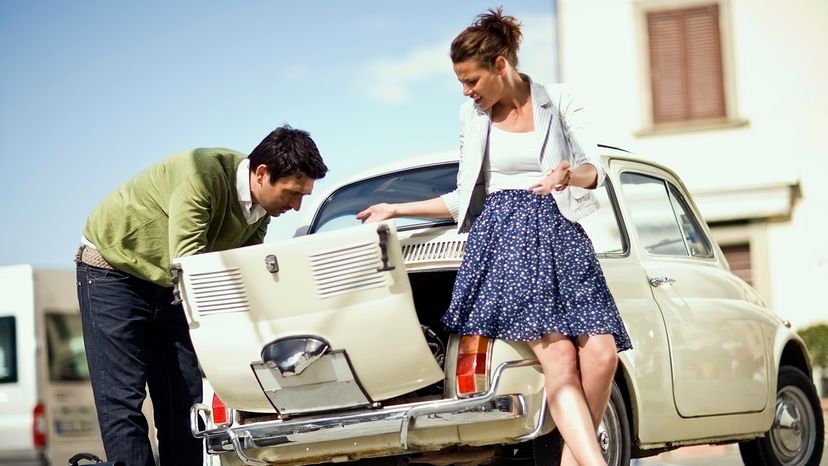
x=529 y=271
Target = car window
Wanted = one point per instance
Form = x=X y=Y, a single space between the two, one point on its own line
x=340 y=208
x=664 y=224
x=602 y=226
x=8 y=350
x=65 y=351
x=697 y=242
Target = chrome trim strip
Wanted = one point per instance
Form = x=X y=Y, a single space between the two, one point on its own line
x=486 y=407
x=539 y=426
x=196 y=410
x=356 y=425
x=240 y=451
x=454 y=406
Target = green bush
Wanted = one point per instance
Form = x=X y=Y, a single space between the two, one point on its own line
x=816 y=338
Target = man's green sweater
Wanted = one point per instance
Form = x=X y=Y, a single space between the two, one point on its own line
x=183 y=205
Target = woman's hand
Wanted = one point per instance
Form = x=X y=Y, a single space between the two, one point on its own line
x=376 y=213
x=556 y=180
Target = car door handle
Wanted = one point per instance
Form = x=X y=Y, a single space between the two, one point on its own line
x=661 y=281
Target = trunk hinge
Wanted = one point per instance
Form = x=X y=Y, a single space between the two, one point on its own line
x=383 y=231
x=175 y=277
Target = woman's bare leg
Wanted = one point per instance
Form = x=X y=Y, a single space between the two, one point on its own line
x=597 y=360
x=558 y=357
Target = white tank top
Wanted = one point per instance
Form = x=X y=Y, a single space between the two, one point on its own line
x=513 y=160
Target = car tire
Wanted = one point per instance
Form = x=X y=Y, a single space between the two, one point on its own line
x=613 y=437
x=614 y=432
x=796 y=437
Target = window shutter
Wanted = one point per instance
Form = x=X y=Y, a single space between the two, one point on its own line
x=686 y=64
x=667 y=67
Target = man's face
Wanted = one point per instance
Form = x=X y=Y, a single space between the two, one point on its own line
x=281 y=195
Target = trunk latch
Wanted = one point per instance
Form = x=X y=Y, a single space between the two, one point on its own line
x=271 y=264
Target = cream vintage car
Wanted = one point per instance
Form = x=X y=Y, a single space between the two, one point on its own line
x=327 y=347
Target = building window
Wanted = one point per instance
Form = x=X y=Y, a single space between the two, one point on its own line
x=686 y=65
x=738 y=257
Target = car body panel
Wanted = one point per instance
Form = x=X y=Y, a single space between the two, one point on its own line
x=647 y=365
x=704 y=312
x=236 y=307
x=702 y=327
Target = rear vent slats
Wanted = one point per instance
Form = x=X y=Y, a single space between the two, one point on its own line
x=351 y=286
x=353 y=262
x=334 y=257
x=436 y=251
x=219 y=292
x=334 y=274
x=348 y=269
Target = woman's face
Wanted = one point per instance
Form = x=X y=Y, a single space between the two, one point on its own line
x=483 y=85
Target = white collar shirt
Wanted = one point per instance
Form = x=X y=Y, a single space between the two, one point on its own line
x=252 y=212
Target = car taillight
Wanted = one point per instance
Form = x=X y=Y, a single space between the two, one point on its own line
x=219 y=411
x=473 y=365
x=39 y=426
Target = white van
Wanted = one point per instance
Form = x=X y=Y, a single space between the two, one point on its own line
x=47 y=412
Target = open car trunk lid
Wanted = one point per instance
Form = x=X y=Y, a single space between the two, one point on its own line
x=347 y=288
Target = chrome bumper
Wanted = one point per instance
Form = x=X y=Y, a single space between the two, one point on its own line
x=486 y=407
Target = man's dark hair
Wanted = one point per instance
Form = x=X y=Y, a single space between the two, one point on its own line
x=287 y=151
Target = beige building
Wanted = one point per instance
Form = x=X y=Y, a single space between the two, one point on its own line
x=733 y=95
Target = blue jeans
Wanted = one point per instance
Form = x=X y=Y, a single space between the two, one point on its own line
x=135 y=338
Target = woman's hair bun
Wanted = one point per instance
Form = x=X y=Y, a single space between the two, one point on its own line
x=506 y=26
x=492 y=34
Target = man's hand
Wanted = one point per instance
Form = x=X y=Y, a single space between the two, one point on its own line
x=556 y=180
x=376 y=213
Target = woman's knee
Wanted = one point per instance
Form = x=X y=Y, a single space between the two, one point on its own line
x=598 y=353
x=556 y=354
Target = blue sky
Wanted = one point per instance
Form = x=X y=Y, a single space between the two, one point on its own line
x=94 y=91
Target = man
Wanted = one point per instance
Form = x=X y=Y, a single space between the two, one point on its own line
x=197 y=201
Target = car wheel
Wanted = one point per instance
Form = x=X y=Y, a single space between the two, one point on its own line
x=614 y=431
x=613 y=437
x=796 y=437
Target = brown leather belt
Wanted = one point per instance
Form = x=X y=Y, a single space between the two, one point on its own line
x=91 y=256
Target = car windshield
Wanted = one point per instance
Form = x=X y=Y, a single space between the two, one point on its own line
x=67 y=358
x=340 y=208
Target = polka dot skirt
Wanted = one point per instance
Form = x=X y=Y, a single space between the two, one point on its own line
x=527 y=271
